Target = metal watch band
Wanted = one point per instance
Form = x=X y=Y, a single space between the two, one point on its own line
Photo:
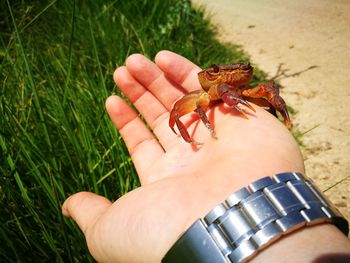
x=252 y=218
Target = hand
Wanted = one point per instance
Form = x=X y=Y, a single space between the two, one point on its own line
x=179 y=183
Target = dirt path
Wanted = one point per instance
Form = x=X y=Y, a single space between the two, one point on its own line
x=305 y=44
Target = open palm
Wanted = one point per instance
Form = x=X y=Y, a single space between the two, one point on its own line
x=179 y=182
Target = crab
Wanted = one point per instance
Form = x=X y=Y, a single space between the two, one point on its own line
x=229 y=83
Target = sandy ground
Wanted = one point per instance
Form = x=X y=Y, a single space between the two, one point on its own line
x=305 y=45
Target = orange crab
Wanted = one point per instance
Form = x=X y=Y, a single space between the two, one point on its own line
x=230 y=83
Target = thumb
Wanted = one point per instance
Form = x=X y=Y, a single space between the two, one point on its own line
x=85 y=208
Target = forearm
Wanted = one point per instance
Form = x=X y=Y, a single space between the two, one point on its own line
x=320 y=243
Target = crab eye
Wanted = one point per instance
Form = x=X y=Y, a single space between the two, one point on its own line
x=246 y=66
x=215 y=68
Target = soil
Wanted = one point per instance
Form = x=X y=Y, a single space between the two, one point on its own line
x=305 y=46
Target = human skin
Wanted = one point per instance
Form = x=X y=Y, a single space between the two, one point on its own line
x=181 y=182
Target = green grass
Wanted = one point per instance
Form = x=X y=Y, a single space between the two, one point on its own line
x=56 y=65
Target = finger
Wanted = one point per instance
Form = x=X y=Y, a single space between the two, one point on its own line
x=155 y=114
x=85 y=209
x=152 y=78
x=142 y=145
x=179 y=69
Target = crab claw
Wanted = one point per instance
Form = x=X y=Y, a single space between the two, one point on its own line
x=270 y=91
x=195 y=100
x=286 y=118
x=245 y=103
x=231 y=99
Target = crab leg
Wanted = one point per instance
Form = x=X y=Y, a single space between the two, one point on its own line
x=270 y=91
x=232 y=99
x=205 y=120
x=263 y=103
x=196 y=100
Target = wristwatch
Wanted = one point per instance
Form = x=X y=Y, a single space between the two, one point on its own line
x=252 y=218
